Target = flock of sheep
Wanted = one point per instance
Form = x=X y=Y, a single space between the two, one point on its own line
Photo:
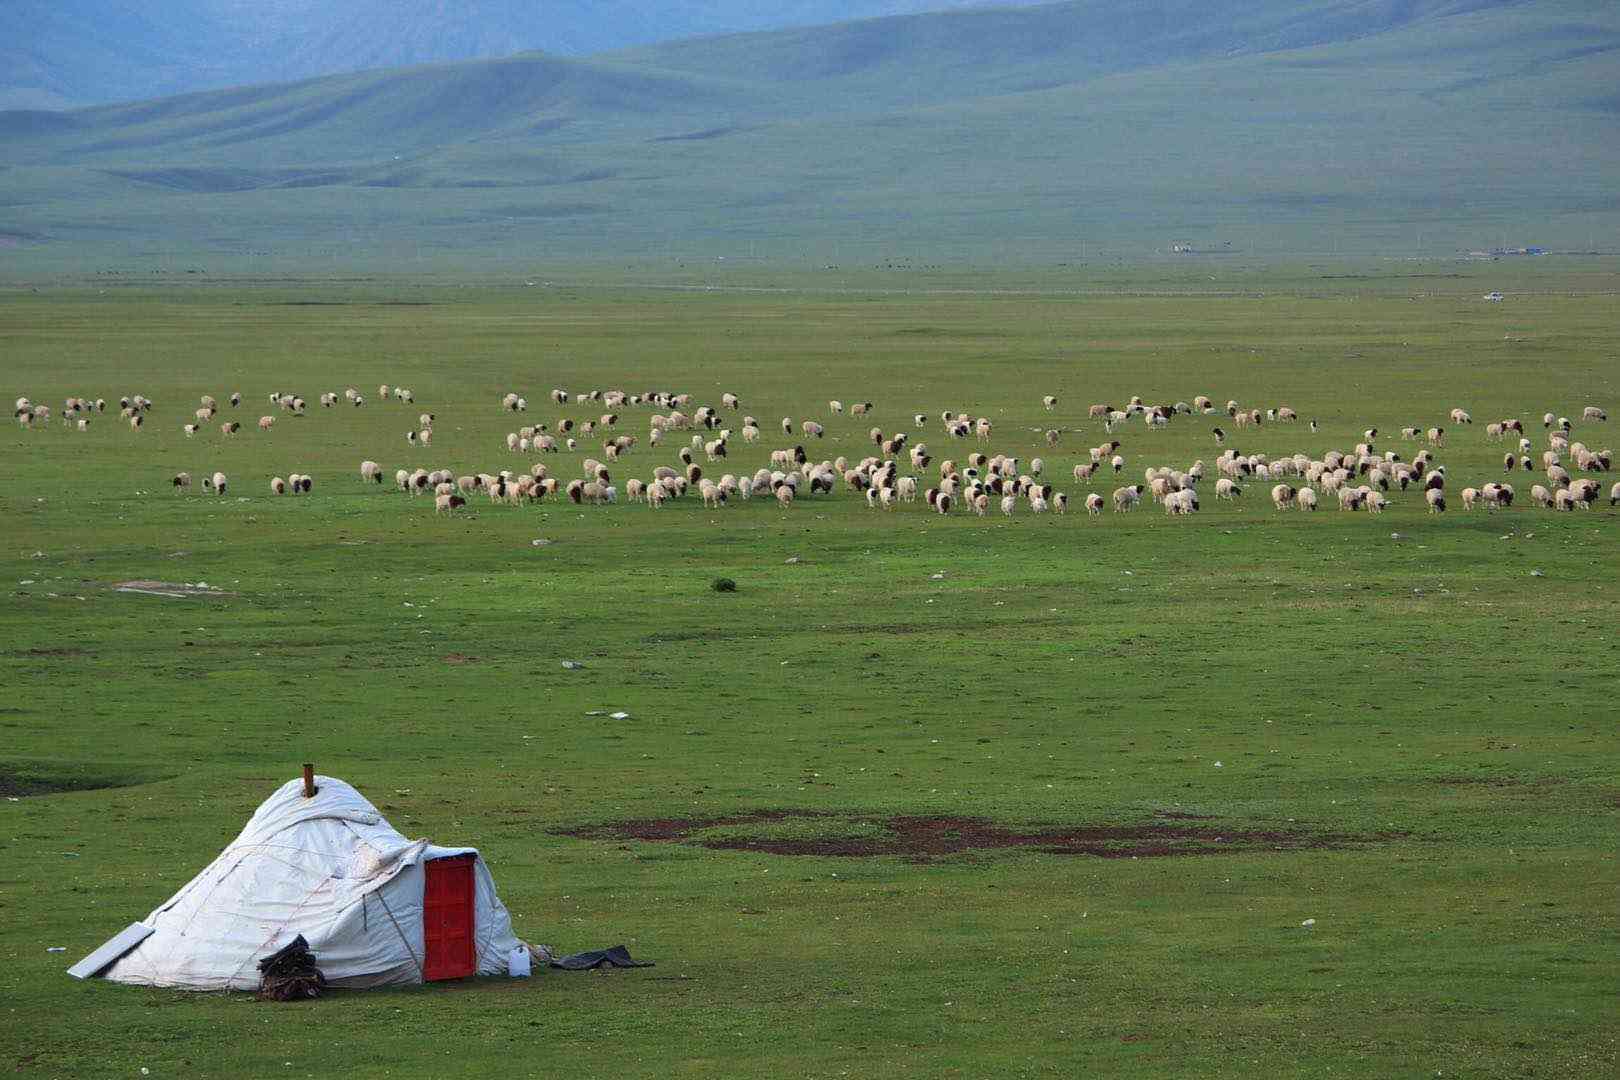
x=1363 y=478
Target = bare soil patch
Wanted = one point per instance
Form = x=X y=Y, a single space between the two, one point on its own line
x=922 y=838
x=19 y=779
x=175 y=590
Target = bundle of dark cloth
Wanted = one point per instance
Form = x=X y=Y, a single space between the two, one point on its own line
x=290 y=974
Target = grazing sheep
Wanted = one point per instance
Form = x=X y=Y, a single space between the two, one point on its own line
x=860 y=408
x=190 y=430
x=1592 y=412
x=1614 y=494
x=1094 y=504
x=1126 y=498
x=784 y=494
x=278 y=486
x=1184 y=501
x=136 y=421
x=1437 y=436
x=219 y=481
x=1227 y=489
x=181 y=480
x=1118 y=463
x=1436 y=498
x=1049 y=402
x=448 y=502
x=425 y=437
x=1008 y=504
x=942 y=503
x=1282 y=495
x=809 y=427
x=1305 y=499
x=1458 y=416
x=1541 y=496
x=1469 y=497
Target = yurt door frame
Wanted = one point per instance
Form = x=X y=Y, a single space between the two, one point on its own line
x=447 y=918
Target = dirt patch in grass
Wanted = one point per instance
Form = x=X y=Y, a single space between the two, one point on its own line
x=920 y=837
x=176 y=590
x=32 y=778
x=459 y=658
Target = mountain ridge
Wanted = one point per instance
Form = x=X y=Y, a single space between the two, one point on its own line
x=1006 y=132
x=74 y=53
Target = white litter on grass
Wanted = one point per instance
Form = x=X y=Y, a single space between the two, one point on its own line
x=1537 y=573
x=572 y=665
x=937 y=577
x=619 y=716
x=542 y=542
x=57 y=948
x=1217 y=765
x=1397 y=536
x=1308 y=922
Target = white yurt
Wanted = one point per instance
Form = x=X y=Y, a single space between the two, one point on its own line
x=375 y=908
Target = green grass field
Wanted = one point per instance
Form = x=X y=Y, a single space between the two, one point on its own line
x=1091 y=775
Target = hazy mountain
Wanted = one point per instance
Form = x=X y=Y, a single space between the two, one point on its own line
x=1382 y=127
x=62 y=53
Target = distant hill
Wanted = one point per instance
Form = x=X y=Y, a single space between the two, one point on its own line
x=67 y=53
x=1041 y=134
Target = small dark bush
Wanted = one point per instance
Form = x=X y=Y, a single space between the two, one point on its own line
x=724 y=584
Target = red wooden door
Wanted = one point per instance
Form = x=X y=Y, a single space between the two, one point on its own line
x=447 y=918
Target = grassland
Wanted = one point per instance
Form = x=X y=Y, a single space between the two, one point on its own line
x=1411 y=741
